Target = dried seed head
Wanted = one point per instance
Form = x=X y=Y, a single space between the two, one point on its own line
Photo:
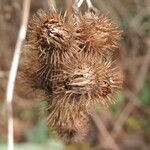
x=90 y=80
x=99 y=35
x=68 y=117
x=49 y=41
x=50 y=37
x=70 y=62
x=74 y=134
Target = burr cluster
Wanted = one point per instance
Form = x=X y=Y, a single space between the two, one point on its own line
x=70 y=61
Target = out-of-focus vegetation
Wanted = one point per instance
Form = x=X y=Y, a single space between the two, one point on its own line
x=127 y=122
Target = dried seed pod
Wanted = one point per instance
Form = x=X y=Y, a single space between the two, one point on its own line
x=50 y=36
x=68 y=117
x=98 y=34
x=49 y=41
x=90 y=80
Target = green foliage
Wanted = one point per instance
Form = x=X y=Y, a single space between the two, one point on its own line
x=133 y=123
x=124 y=26
x=116 y=109
x=2 y=111
x=38 y=134
x=26 y=114
x=139 y=123
x=3 y=138
x=51 y=145
x=145 y=95
x=145 y=126
x=145 y=21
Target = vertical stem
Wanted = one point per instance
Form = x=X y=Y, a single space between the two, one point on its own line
x=69 y=6
x=75 y=7
x=52 y=5
x=90 y=6
x=13 y=73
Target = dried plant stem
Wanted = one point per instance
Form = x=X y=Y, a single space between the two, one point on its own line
x=52 y=4
x=123 y=117
x=73 y=4
x=90 y=6
x=75 y=7
x=80 y=3
x=77 y=4
x=13 y=72
x=108 y=141
x=69 y=4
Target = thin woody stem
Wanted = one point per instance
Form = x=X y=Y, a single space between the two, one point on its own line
x=90 y=6
x=13 y=72
x=75 y=7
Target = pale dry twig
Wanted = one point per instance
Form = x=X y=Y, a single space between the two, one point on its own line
x=13 y=72
x=107 y=139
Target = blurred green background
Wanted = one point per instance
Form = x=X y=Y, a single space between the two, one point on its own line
x=127 y=123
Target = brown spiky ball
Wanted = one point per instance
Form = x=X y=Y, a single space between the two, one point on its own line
x=49 y=42
x=98 y=34
x=68 y=117
x=70 y=61
x=89 y=81
x=50 y=36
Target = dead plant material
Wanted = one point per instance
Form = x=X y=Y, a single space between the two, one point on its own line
x=71 y=62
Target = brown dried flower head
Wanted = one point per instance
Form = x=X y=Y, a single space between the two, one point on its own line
x=50 y=36
x=98 y=34
x=68 y=117
x=49 y=42
x=71 y=62
x=89 y=81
